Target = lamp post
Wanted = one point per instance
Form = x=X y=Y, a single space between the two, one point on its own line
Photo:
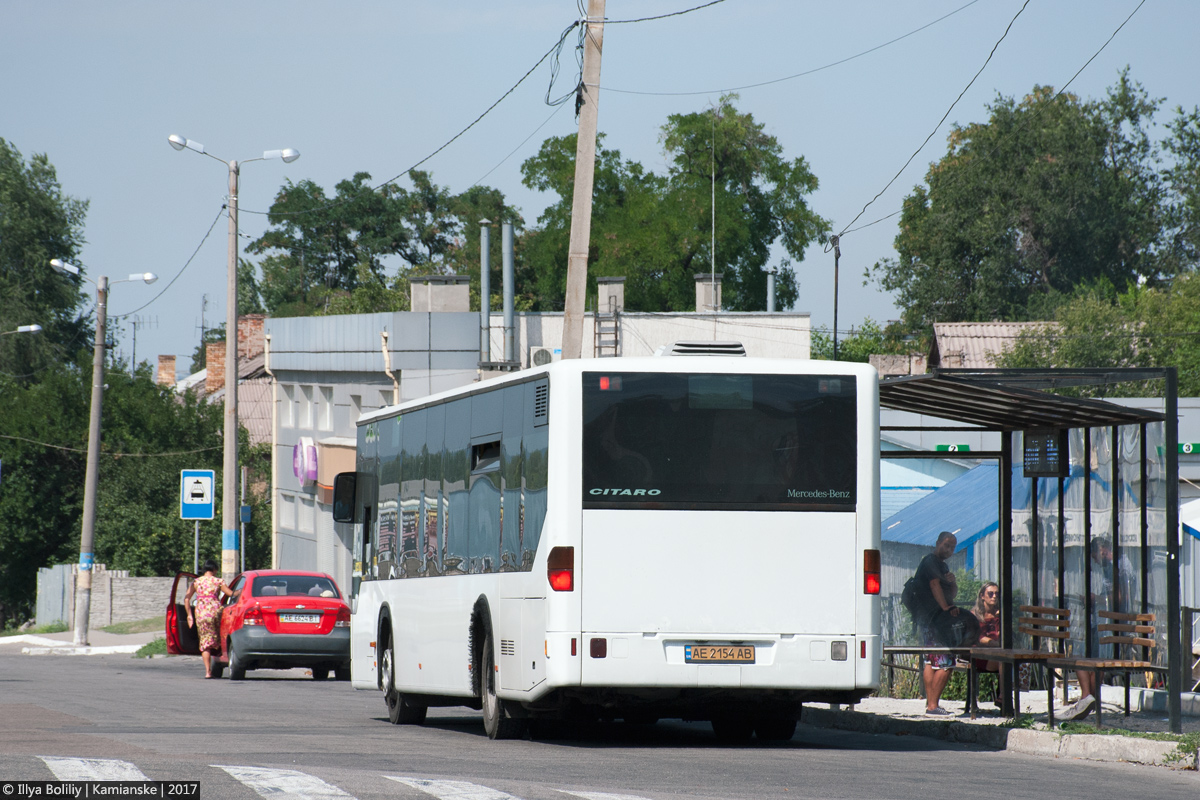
x=83 y=579
x=23 y=329
x=229 y=471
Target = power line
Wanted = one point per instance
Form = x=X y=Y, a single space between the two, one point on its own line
x=450 y=141
x=518 y=147
x=103 y=453
x=798 y=74
x=181 y=269
x=664 y=16
x=943 y=119
x=1037 y=111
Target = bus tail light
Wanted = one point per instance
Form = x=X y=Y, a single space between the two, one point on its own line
x=560 y=568
x=871 y=582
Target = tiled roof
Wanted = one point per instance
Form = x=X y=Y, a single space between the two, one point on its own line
x=974 y=345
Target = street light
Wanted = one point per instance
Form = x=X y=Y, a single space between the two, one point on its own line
x=23 y=329
x=229 y=509
x=83 y=580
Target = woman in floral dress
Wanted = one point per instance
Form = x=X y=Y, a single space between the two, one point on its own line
x=208 y=589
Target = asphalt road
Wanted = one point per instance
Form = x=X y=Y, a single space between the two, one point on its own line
x=285 y=736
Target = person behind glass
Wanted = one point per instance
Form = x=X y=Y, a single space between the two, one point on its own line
x=987 y=611
x=1101 y=600
x=942 y=587
x=206 y=618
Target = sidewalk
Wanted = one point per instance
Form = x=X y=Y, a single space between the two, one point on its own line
x=61 y=644
x=887 y=716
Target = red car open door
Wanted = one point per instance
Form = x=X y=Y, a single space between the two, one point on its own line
x=182 y=639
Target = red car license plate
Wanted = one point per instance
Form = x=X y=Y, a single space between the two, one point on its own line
x=311 y=619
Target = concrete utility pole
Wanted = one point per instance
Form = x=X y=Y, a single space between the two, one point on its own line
x=585 y=163
x=83 y=582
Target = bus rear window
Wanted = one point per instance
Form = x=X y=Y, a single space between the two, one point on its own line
x=727 y=442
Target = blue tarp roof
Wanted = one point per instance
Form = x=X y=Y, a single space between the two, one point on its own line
x=965 y=506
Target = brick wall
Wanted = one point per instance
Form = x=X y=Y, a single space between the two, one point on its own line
x=251 y=336
x=214 y=358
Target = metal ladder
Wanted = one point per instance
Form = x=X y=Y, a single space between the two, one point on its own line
x=608 y=334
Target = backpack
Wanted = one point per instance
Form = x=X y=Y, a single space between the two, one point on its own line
x=912 y=599
x=955 y=631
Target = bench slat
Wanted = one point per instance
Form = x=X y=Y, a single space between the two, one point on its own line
x=1056 y=612
x=1126 y=617
x=1127 y=628
x=1054 y=623
x=1135 y=641
x=1044 y=633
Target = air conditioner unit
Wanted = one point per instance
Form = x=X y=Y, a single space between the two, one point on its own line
x=541 y=356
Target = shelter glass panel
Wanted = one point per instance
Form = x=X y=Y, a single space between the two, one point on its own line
x=1022 y=538
x=1074 y=553
x=1129 y=536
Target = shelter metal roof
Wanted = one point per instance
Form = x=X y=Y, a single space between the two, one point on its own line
x=989 y=399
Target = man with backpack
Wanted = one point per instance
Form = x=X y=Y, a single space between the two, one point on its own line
x=935 y=588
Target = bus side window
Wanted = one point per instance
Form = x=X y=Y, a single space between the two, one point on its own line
x=456 y=469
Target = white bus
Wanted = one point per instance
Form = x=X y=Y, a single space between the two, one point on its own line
x=672 y=537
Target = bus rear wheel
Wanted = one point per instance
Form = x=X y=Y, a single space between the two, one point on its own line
x=401 y=710
x=775 y=729
x=733 y=729
x=496 y=719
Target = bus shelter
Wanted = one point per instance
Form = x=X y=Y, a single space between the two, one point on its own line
x=1087 y=494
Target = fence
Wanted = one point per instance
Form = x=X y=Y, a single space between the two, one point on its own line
x=116 y=597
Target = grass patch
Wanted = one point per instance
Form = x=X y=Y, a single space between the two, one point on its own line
x=157 y=647
x=53 y=627
x=1021 y=721
x=150 y=625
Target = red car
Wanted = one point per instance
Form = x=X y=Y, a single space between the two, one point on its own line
x=276 y=619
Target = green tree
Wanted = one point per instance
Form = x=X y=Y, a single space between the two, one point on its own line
x=863 y=342
x=332 y=255
x=1140 y=327
x=1050 y=193
x=148 y=434
x=38 y=222
x=657 y=231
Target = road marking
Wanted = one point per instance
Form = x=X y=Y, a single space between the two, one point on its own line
x=453 y=790
x=284 y=783
x=92 y=769
x=602 y=795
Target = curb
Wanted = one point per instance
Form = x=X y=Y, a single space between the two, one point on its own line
x=80 y=651
x=1092 y=747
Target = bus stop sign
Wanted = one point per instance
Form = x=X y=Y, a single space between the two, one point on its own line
x=196 y=494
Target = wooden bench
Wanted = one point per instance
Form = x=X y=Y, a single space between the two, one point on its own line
x=1039 y=622
x=1126 y=632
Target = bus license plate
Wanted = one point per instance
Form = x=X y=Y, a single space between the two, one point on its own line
x=311 y=619
x=718 y=654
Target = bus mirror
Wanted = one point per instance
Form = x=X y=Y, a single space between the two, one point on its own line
x=343 y=496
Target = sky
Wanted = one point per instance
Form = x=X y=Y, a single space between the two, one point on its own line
x=379 y=85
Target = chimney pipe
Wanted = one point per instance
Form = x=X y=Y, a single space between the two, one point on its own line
x=510 y=348
x=485 y=290
x=771 y=291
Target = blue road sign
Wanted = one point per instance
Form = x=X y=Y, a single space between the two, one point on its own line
x=196 y=494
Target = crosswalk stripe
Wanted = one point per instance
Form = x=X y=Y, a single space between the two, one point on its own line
x=602 y=795
x=284 y=783
x=92 y=769
x=453 y=790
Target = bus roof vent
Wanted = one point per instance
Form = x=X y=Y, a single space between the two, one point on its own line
x=704 y=349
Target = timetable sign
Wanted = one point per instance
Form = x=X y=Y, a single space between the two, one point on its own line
x=1046 y=454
